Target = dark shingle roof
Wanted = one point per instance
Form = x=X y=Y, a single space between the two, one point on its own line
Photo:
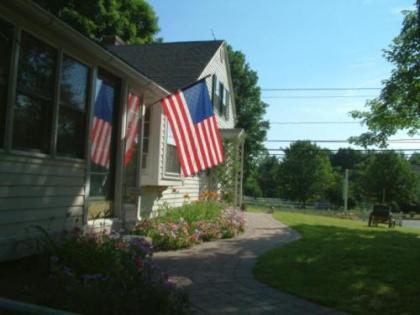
x=172 y=65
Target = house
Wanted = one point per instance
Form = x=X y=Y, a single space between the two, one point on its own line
x=71 y=150
x=175 y=66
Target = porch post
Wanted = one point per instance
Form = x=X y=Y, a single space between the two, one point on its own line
x=119 y=169
x=242 y=173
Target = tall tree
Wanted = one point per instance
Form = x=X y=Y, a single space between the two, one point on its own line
x=305 y=172
x=346 y=158
x=389 y=177
x=268 y=169
x=398 y=106
x=134 y=21
x=249 y=107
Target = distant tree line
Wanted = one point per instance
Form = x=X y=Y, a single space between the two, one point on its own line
x=309 y=173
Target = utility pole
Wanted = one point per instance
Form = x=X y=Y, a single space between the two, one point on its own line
x=346 y=190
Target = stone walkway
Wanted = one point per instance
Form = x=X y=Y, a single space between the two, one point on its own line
x=218 y=275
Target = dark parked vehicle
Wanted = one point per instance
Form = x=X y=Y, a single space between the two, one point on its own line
x=381 y=214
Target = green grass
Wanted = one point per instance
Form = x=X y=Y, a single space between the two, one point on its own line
x=346 y=265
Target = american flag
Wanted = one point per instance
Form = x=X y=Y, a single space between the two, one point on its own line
x=102 y=126
x=132 y=130
x=194 y=126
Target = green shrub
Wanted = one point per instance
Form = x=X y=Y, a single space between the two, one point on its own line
x=193 y=212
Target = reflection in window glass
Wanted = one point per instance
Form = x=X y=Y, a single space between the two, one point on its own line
x=32 y=120
x=72 y=110
x=6 y=39
x=172 y=164
x=34 y=95
x=102 y=136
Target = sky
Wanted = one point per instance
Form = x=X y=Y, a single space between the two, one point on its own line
x=300 y=44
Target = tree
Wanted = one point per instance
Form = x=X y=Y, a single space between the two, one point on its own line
x=415 y=158
x=134 y=21
x=389 y=177
x=346 y=158
x=398 y=106
x=305 y=173
x=250 y=109
x=267 y=170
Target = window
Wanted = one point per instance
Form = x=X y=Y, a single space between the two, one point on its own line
x=102 y=136
x=172 y=164
x=227 y=103
x=146 y=137
x=221 y=98
x=215 y=92
x=72 y=109
x=34 y=95
x=6 y=38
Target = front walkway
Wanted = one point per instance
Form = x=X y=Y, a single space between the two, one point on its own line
x=218 y=274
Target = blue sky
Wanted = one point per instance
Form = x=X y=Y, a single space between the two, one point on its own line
x=299 y=44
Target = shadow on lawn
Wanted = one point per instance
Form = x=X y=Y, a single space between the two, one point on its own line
x=358 y=270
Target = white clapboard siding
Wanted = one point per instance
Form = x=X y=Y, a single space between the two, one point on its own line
x=176 y=196
x=218 y=66
x=38 y=191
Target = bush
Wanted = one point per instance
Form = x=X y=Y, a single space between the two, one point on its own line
x=110 y=274
x=191 y=224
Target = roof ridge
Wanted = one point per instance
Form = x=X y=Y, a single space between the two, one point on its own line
x=173 y=43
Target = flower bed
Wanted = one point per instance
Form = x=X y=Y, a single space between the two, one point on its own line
x=191 y=224
x=101 y=274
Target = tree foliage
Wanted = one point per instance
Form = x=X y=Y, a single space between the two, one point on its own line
x=389 y=177
x=250 y=109
x=398 y=106
x=305 y=173
x=134 y=21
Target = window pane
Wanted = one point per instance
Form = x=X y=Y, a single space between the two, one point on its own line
x=72 y=114
x=102 y=135
x=172 y=161
x=6 y=32
x=71 y=132
x=32 y=124
x=36 y=67
x=74 y=83
x=32 y=112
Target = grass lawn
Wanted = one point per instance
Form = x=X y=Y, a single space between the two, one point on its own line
x=346 y=265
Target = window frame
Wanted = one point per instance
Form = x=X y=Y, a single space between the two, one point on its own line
x=168 y=174
x=13 y=90
x=4 y=144
x=60 y=103
x=30 y=94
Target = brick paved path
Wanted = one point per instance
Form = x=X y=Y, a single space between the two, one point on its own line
x=218 y=275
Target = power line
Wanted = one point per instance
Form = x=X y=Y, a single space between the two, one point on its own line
x=359 y=150
x=313 y=122
x=322 y=89
x=317 y=96
x=416 y=140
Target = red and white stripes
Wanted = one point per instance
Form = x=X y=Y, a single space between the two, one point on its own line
x=199 y=145
x=101 y=142
x=132 y=129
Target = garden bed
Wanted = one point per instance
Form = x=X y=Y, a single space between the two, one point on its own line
x=191 y=224
x=93 y=274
